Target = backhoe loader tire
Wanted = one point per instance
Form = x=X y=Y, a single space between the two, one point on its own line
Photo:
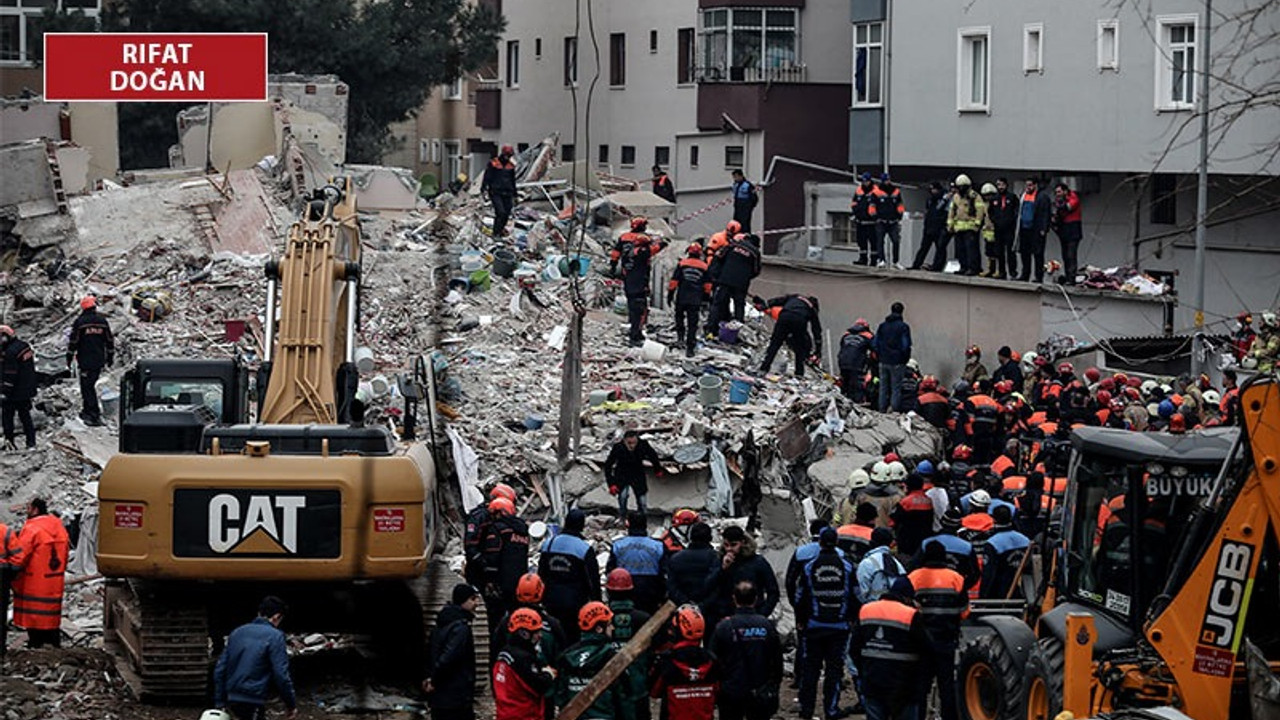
x=1044 y=680
x=990 y=681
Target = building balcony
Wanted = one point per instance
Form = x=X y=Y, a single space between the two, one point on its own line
x=730 y=74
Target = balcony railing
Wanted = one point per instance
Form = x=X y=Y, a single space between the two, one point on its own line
x=731 y=74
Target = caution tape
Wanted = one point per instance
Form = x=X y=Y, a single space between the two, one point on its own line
x=802 y=228
x=704 y=211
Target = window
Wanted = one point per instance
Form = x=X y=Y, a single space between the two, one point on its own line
x=19 y=31
x=628 y=156
x=570 y=61
x=568 y=152
x=1164 y=199
x=450 y=160
x=685 y=52
x=662 y=155
x=973 y=70
x=733 y=156
x=425 y=148
x=602 y=156
x=617 y=59
x=513 y=63
x=693 y=156
x=653 y=41
x=1176 y=62
x=1108 y=45
x=842 y=228
x=537 y=48
x=868 y=63
x=1033 y=48
x=453 y=91
x=751 y=45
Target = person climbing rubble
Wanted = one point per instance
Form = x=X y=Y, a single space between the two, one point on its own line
x=499 y=184
x=91 y=347
x=624 y=470
x=686 y=291
x=798 y=325
x=633 y=253
x=17 y=387
x=854 y=360
x=739 y=265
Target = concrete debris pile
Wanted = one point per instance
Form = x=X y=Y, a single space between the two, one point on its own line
x=1123 y=278
x=72 y=682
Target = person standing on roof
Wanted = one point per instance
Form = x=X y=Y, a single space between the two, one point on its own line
x=1070 y=229
x=662 y=185
x=499 y=183
x=504 y=555
x=865 y=208
x=688 y=286
x=1002 y=209
x=644 y=559
x=796 y=316
x=892 y=345
x=745 y=199
x=855 y=354
x=1034 y=214
x=624 y=470
x=17 y=387
x=569 y=568
x=934 y=234
x=90 y=346
x=965 y=220
x=634 y=252
x=255 y=658
x=450 y=683
x=889 y=212
x=739 y=266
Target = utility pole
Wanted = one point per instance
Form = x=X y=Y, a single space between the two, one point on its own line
x=1202 y=191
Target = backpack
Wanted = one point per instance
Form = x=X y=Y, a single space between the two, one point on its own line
x=883 y=577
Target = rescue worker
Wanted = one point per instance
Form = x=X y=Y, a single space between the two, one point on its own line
x=1003 y=211
x=41 y=575
x=475 y=525
x=964 y=220
x=632 y=687
x=825 y=593
x=1070 y=229
x=1242 y=338
x=935 y=230
x=913 y=516
x=450 y=683
x=583 y=660
x=1002 y=556
x=984 y=428
x=571 y=573
x=747 y=646
x=931 y=404
x=677 y=536
x=686 y=678
x=715 y=245
x=961 y=555
x=944 y=603
x=10 y=553
x=1034 y=213
x=499 y=183
x=883 y=493
x=889 y=212
x=988 y=234
x=1007 y=463
x=855 y=354
x=662 y=185
x=504 y=553
x=634 y=252
x=17 y=387
x=255 y=658
x=848 y=507
x=1007 y=369
x=974 y=370
x=1266 y=346
x=795 y=569
x=552 y=640
x=624 y=470
x=739 y=265
x=855 y=538
x=91 y=346
x=891 y=643
x=689 y=569
x=865 y=209
x=745 y=199
x=688 y=286
x=740 y=561
x=796 y=317
x=879 y=568
x=520 y=682
x=892 y=346
x=645 y=559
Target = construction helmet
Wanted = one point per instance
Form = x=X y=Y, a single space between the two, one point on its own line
x=639 y=222
x=913 y=364
x=861 y=323
x=685 y=516
x=529 y=588
x=973 y=351
x=88 y=301
x=507 y=150
x=1269 y=319
x=1120 y=379
x=961 y=388
x=1244 y=318
x=1029 y=358
x=1149 y=387
x=503 y=490
x=897 y=471
x=1107 y=383
x=891 y=456
x=619 y=579
x=1065 y=368
x=962 y=180
x=733 y=228
x=858 y=479
x=1212 y=397
x=501 y=505
x=689 y=622
x=594 y=614
x=695 y=250
x=1004 y=386
x=1167 y=389
x=929 y=383
x=1166 y=408
x=526 y=619
x=924 y=467
x=1093 y=375
x=988 y=189
x=1249 y=362
x=7 y=331
x=880 y=472
x=1177 y=423
x=979 y=498
x=962 y=452
x=1104 y=397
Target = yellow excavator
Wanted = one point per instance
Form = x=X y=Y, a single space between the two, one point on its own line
x=204 y=512
x=1165 y=569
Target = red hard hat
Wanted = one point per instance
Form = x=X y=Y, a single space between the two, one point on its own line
x=1120 y=378
x=502 y=505
x=962 y=452
x=1107 y=383
x=1065 y=367
x=733 y=228
x=892 y=457
x=685 y=516
x=695 y=250
x=529 y=589
x=972 y=350
x=1092 y=375
x=592 y=614
x=1134 y=382
x=88 y=301
x=1245 y=317
x=638 y=222
x=619 y=579
x=1177 y=423
x=690 y=623
x=526 y=619
x=1104 y=397
x=1004 y=386
x=507 y=150
x=502 y=490
x=929 y=383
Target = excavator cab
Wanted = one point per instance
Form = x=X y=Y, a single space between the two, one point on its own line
x=166 y=405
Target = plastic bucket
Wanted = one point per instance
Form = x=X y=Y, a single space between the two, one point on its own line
x=709 y=389
x=740 y=390
x=653 y=351
x=578 y=263
x=620 y=305
x=728 y=334
x=460 y=284
x=599 y=397
x=364 y=359
x=479 y=280
x=504 y=263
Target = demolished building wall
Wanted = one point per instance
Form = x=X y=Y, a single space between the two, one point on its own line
x=91 y=126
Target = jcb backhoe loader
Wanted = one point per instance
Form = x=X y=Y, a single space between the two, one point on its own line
x=203 y=513
x=1167 y=560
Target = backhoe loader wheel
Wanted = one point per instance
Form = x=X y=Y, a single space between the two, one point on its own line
x=990 y=682
x=1044 y=680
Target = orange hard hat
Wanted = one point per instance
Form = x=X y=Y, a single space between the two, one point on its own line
x=88 y=301
x=526 y=619
x=972 y=351
x=503 y=490
x=689 y=622
x=619 y=579
x=502 y=505
x=733 y=228
x=1177 y=423
x=639 y=222
x=685 y=516
x=695 y=250
x=592 y=615
x=529 y=588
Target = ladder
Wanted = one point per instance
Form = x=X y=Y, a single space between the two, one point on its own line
x=55 y=175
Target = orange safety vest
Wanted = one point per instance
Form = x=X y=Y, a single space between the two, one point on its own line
x=892 y=622
x=940 y=592
x=10 y=550
x=37 y=591
x=1000 y=465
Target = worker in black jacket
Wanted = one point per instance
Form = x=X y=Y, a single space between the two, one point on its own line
x=740 y=265
x=504 y=554
x=662 y=185
x=1008 y=369
x=796 y=316
x=634 y=251
x=935 y=230
x=17 y=386
x=825 y=592
x=571 y=572
x=740 y=560
x=750 y=655
x=92 y=347
x=688 y=569
x=450 y=683
x=853 y=359
x=499 y=184
x=624 y=470
x=688 y=286
x=1004 y=212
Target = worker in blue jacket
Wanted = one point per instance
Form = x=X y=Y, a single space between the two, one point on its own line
x=255 y=659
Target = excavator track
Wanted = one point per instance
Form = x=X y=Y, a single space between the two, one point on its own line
x=160 y=637
x=433 y=591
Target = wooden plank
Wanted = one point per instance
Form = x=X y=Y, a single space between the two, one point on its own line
x=620 y=662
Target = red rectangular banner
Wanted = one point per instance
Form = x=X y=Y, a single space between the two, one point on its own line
x=155 y=67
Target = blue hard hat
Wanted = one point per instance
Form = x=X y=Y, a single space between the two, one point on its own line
x=925 y=468
x=884 y=177
x=1166 y=408
x=865 y=176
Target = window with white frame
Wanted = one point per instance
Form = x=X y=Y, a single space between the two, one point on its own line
x=1033 y=48
x=1109 y=44
x=973 y=70
x=1176 y=57
x=750 y=45
x=450 y=160
x=868 y=64
x=19 y=31
x=513 y=63
x=453 y=91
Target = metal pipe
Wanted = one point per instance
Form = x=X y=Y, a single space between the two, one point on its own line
x=352 y=289
x=1202 y=191
x=269 y=350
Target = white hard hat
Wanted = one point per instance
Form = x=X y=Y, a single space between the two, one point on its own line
x=1211 y=397
x=1153 y=410
x=980 y=498
x=1249 y=362
x=858 y=479
x=1029 y=358
x=1167 y=389
x=897 y=471
x=1149 y=386
x=1269 y=318
x=963 y=179
x=215 y=715
x=914 y=364
x=988 y=189
x=880 y=472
